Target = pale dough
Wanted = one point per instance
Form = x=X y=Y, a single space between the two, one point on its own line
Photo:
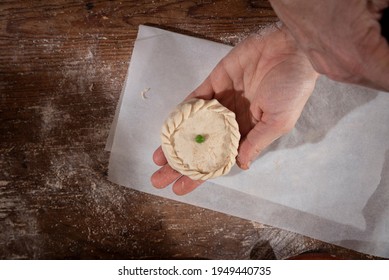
x=213 y=157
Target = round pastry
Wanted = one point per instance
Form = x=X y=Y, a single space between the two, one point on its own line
x=200 y=139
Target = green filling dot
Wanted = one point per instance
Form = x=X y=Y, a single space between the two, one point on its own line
x=200 y=138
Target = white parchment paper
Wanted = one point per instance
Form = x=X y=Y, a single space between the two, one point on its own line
x=327 y=179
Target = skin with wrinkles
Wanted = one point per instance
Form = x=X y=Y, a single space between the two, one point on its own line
x=341 y=38
x=266 y=80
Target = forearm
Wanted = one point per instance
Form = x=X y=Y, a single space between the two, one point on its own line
x=341 y=38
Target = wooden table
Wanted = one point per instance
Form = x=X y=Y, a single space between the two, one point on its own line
x=62 y=68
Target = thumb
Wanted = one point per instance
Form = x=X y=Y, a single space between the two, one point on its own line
x=261 y=136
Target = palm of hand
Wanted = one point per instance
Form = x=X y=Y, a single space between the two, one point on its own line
x=266 y=81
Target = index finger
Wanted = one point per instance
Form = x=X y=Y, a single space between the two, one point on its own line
x=159 y=157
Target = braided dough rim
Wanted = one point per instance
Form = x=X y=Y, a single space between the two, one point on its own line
x=176 y=118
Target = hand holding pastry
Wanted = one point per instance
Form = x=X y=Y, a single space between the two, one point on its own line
x=266 y=81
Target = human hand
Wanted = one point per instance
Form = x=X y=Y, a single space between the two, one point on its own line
x=342 y=38
x=266 y=81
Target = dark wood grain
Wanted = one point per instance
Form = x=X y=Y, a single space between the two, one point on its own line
x=62 y=67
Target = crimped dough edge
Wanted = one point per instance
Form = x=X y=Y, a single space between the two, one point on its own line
x=178 y=116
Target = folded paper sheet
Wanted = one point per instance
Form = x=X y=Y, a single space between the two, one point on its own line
x=327 y=179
